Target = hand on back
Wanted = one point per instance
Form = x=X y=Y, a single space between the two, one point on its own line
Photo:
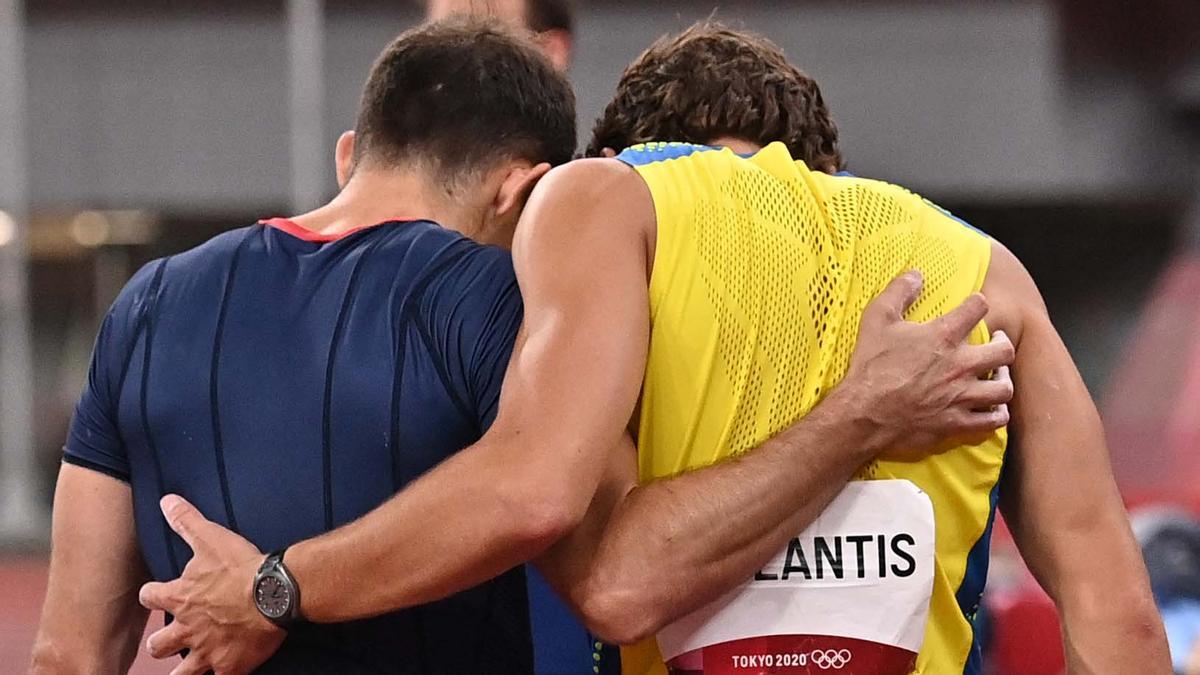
x=922 y=385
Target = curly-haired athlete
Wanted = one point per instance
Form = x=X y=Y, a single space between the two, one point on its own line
x=710 y=82
x=713 y=85
x=729 y=293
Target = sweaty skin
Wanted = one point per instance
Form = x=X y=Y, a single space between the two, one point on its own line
x=539 y=474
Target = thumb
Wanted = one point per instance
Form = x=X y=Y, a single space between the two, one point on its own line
x=185 y=520
x=899 y=295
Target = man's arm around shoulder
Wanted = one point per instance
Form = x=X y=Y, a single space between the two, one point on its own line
x=910 y=387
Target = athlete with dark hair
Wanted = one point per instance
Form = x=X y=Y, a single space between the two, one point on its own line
x=290 y=376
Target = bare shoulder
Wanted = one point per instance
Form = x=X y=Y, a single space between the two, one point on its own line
x=601 y=191
x=1012 y=295
x=596 y=175
x=586 y=208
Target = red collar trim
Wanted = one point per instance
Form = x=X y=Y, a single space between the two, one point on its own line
x=290 y=227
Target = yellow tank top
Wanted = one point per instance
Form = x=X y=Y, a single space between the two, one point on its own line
x=761 y=273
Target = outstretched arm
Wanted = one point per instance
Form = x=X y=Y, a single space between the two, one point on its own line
x=91 y=621
x=1060 y=499
x=909 y=386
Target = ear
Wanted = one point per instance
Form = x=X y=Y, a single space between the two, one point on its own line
x=343 y=156
x=515 y=189
x=608 y=152
x=557 y=46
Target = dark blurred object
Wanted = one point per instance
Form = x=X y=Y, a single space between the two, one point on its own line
x=1150 y=35
x=1170 y=540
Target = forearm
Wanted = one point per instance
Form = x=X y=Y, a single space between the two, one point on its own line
x=91 y=621
x=63 y=648
x=1095 y=574
x=1092 y=568
x=467 y=521
x=673 y=545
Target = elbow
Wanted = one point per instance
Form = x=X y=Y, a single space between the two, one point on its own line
x=621 y=616
x=48 y=659
x=543 y=516
x=1130 y=613
x=1144 y=624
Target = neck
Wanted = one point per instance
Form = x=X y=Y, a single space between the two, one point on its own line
x=374 y=196
x=738 y=145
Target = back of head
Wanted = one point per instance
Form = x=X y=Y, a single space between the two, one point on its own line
x=538 y=16
x=711 y=82
x=548 y=15
x=552 y=21
x=461 y=96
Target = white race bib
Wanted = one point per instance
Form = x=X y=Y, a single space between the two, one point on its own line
x=849 y=595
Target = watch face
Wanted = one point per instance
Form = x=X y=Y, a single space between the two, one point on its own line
x=273 y=597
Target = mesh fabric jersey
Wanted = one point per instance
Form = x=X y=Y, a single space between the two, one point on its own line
x=761 y=274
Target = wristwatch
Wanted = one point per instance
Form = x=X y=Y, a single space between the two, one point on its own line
x=276 y=594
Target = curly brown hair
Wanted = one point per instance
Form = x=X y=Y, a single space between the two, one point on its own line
x=711 y=81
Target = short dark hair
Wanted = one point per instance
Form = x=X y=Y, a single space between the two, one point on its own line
x=544 y=15
x=712 y=81
x=464 y=94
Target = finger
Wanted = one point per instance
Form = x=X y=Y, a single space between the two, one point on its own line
x=1003 y=374
x=185 y=520
x=157 y=595
x=192 y=665
x=167 y=641
x=987 y=394
x=899 y=295
x=957 y=325
x=982 y=422
x=986 y=359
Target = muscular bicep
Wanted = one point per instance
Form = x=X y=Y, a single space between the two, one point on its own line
x=578 y=363
x=91 y=620
x=1058 y=494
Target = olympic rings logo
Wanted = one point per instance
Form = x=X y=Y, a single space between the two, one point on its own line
x=827 y=659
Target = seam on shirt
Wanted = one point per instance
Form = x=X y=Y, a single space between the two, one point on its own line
x=440 y=369
x=139 y=327
x=330 y=360
x=148 y=320
x=214 y=378
x=503 y=299
x=403 y=318
x=95 y=466
x=408 y=315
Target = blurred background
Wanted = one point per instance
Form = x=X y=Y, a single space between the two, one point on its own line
x=1068 y=129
